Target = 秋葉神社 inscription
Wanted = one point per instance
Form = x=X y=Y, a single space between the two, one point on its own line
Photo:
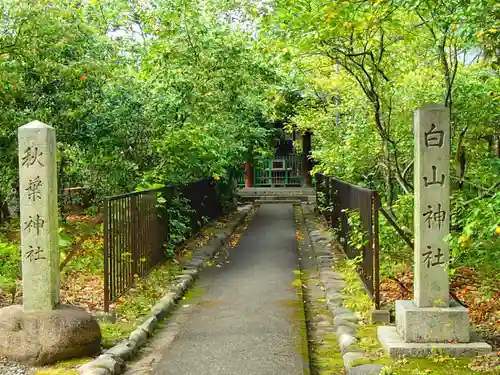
x=41 y=331
x=39 y=215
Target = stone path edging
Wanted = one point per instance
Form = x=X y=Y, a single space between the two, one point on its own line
x=112 y=362
x=345 y=321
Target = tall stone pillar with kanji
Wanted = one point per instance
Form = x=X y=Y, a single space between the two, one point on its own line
x=432 y=207
x=431 y=320
x=39 y=216
x=41 y=330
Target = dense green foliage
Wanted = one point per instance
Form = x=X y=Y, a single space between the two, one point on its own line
x=165 y=91
x=139 y=92
x=364 y=67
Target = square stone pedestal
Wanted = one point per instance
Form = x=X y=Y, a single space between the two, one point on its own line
x=396 y=348
x=419 y=332
x=432 y=324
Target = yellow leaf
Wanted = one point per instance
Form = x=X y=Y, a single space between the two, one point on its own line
x=493 y=31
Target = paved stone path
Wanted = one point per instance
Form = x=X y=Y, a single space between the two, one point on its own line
x=247 y=318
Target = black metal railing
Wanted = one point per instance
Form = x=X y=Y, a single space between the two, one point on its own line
x=353 y=212
x=137 y=230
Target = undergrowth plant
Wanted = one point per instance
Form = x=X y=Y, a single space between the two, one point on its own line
x=10 y=272
x=357 y=298
x=357 y=236
x=179 y=213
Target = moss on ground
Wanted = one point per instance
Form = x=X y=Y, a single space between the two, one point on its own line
x=64 y=367
x=136 y=304
x=358 y=301
x=323 y=351
x=193 y=294
x=437 y=365
x=326 y=358
x=57 y=372
x=146 y=293
x=112 y=333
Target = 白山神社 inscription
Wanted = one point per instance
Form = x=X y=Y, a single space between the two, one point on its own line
x=431 y=321
x=432 y=187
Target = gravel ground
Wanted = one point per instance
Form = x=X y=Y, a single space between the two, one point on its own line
x=9 y=368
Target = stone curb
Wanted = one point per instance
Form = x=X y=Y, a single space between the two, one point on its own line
x=344 y=320
x=112 y=362
x=304 y=344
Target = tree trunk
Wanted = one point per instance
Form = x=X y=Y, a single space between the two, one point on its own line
x=498 y=146
x=4 y=211
x=388 y=173
x=385 y=152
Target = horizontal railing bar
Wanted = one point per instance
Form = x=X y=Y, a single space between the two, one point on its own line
x=155 y=190
x=354 y=187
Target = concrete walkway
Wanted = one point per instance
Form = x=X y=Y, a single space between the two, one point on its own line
x=247 y=319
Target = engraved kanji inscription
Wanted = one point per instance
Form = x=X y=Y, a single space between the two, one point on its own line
x=35 y=223
x=33 y=189
x=32 y=156
x=34 y=253
x=429 y=255
x=434 y=181
x=434 y=216
x=434 y=138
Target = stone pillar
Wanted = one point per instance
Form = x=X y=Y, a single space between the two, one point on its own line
x=42 y=331
x=430 y=321
x=432 y=205
x=39 y=216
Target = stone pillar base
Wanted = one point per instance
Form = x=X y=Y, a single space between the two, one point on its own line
x=432 y=324
x=419 y=332
x=395 y=346
x=40 y=338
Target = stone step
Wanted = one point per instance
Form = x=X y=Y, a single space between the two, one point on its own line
x=275 y=201
x=302 y=198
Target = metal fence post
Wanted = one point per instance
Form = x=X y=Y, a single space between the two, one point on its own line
x=106 y=255
x=368 y=257
x=328 y=198
x=376 y=248
x=133 y=234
